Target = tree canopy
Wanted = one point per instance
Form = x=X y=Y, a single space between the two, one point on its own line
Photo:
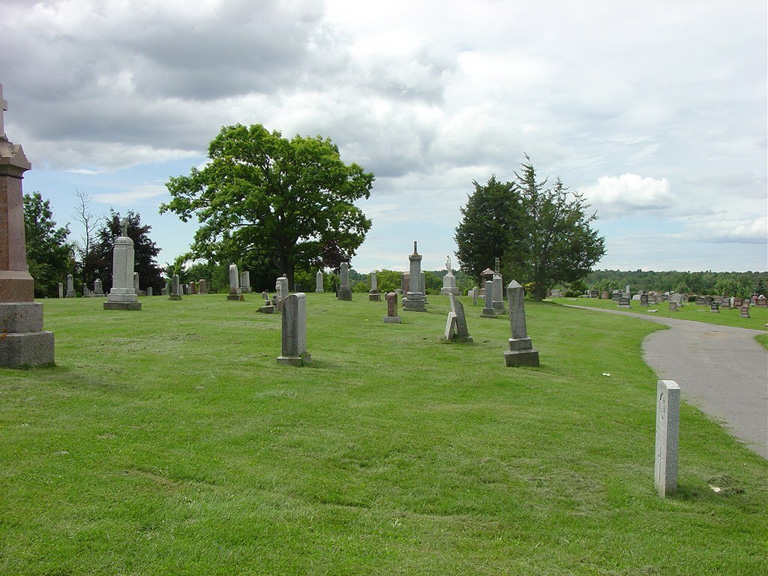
x=267 y=199
x=541 y=234
x=49 y=255
x=145 y=252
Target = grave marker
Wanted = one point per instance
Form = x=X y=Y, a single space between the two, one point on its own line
x=667 y=431
x=123 y=295
x=344 y=293
x=521 y=351
x=392 y=317
x=294 y=336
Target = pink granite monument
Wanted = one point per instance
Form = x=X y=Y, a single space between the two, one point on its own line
x=22 y=339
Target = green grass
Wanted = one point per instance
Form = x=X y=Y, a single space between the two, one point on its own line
x=690 y=311
x=169 y=441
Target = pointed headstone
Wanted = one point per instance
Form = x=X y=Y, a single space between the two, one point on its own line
x=521 y=351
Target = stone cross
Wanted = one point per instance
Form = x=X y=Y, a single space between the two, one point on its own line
x=667 y=430
x=3 y=108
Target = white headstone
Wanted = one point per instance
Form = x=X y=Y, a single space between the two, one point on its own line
x=667 y=430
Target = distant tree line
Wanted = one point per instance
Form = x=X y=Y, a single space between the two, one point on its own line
x=742 y=284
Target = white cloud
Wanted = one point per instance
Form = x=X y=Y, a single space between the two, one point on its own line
x=628 y=195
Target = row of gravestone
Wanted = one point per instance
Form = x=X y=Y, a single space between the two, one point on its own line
x=294 y=325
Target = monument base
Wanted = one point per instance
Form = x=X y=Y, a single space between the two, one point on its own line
x=268 y=309
x=294 y=360
x=521 y=353
x=488 y=313
x=237 y=297
x=174 y=297
x=376 y=297
x=22 y=339
x=445 y=290
x=416 y=302
x=345 y=294
x=122 y=305
x=26 y=349
x=393 y=320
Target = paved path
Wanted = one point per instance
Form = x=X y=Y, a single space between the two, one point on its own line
x=720 y=369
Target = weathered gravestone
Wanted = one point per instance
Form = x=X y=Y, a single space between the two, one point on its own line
x=498 y=293
x=123 y=295
x=672 y=306
x=456 y=323
x=294 y=336
x=245 y=282
x=449 y=280
x=667 y=430
x=714 y=307
x=624 y=302
x=744 y=311
x=319 y=282
x=71 y=287
x=136 y=282
x=281 y=292
x=61 y=290
x=150 y=291
x=373 y=293
x=488 y=311
x=86 y=292
x=521 y=351
x=98 y=290
x=555 y=293
x=193 y=287
x=202 y=286
x=175 y=288
x=474 y=293
x=22 y=339
x=594 y=294
x=416 y=300
x=345 y=292
x=234 y=284
x=644 y=300
x=392 y=317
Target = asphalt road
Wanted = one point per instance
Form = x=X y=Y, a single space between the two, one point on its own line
x=721 y=370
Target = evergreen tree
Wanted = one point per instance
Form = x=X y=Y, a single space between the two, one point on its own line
x=145 y=252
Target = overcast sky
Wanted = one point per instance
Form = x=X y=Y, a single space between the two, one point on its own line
x=654 y=110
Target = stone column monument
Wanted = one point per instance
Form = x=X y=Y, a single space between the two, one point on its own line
x=70 y=286
x=521 y=351
x=319 y=282
x=23 y=341
x=175 y=288
x=345 y=293
x=373 y=293
x=123 y=295
x=416 y=302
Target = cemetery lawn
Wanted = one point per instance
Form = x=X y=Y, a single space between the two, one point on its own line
x=169 y=441
x=690 y=311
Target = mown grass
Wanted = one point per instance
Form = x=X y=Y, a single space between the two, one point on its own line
x=169 y=441
x=758 y=319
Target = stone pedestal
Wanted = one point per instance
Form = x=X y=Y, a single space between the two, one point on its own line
x=22 y=339
x=449 y=285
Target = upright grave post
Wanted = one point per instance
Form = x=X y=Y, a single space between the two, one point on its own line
x=71 y=286
x=175 y=288
x=373 y=293
x=488 y=311
x=22 y=339
x=392 y=317
x=319 y=282
x=294 y=336
x=521 y=351
x=123 y=295
x=667 y=431
x=345 y=293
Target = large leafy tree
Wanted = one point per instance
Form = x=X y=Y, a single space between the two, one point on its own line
x=49 y=255
x=269 y=199
x=491 y=226
x=145 y=252
x=541 y=234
